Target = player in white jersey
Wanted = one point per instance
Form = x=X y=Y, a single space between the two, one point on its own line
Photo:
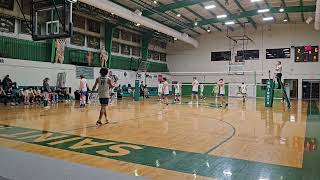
x=83 y=91
x=195 y=89
x=177 y=92
x=243 y=91
x=160 y=86
x=221 y=93
x=104 y=84
x=165 y=91
x=201 y=86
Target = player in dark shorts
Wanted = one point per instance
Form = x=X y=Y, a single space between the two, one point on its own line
x=104 y=84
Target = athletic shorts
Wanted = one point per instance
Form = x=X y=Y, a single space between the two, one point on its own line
x=104 y=101
x=177 y=94
x=166 y=95
x=83 y=93
x=221 y=95
x=194 y=92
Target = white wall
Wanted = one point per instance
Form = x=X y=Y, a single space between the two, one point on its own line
x=32 y=73
x=183 y=58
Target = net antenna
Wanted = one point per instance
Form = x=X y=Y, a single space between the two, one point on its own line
x=238 y=42
x=51 y=19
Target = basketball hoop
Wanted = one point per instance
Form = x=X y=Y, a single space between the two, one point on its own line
x=60 y=47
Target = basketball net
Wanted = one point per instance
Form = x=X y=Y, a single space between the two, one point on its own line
x=60 y=46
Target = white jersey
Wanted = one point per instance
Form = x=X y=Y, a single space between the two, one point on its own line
x=83 y=85
x=221 y=88
x=279 y=68
x=243 y=89
x=103 y=88
x=177 y=89
x=160 y=86
x=201 y=88
x=195 y=86
x=166 y=88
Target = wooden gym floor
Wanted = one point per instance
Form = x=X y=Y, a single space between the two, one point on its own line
x=179 y=141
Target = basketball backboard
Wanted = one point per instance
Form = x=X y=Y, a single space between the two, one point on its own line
x=51 y=19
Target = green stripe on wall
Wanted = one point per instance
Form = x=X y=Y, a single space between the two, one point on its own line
x=24 y=49
x=41 y=51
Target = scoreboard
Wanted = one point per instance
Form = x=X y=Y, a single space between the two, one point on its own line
x=307 y=54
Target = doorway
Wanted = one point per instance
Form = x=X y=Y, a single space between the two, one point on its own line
x=310 y=89
x=293 y=84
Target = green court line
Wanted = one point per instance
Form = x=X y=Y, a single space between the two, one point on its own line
x=175 y=160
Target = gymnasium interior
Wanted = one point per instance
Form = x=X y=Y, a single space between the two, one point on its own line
x=243 y=82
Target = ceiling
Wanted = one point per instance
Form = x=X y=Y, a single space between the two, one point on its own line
x=191 y=16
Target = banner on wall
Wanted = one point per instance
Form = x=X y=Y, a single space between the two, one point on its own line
x=87 y=72
x=61 y=79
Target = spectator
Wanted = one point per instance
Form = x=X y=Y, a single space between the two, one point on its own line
x=6 y=82
x=145 y=92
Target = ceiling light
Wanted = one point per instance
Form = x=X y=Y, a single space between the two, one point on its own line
x=155 y=2
x=255 y=0
x=285 y=20
x=229 y=23
x=178 y=15
x=222 y=16
x=175 y=38
x=196 y=23
x=263 y=10
x=281 y=10
x=208 y=30
x=138 y=24
x=268 y=18
x=210 y=6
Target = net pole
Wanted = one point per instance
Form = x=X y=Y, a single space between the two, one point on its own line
x=255 y=77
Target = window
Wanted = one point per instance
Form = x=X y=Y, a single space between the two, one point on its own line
x=116 y=33
x=163 y=45
x=93 y=42
x=7 y=24
x=93 y=26
x=24 y=27
x=7 y=4
x=221 y=56
x=306 y=54
x=115 y=47
x=163 y=57
x=125 y=49
x=280 y=53
x=155 y=56
x=26 y=7
x=136 y=38
x=125 y=35
x=248 y=54
x=78 y=21
x=77 y=39
x=136 y=51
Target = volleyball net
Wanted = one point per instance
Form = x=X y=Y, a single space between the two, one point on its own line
x=208 y=83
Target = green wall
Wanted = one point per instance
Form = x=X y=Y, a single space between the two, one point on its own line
x=41 y=51
x=24 y=49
